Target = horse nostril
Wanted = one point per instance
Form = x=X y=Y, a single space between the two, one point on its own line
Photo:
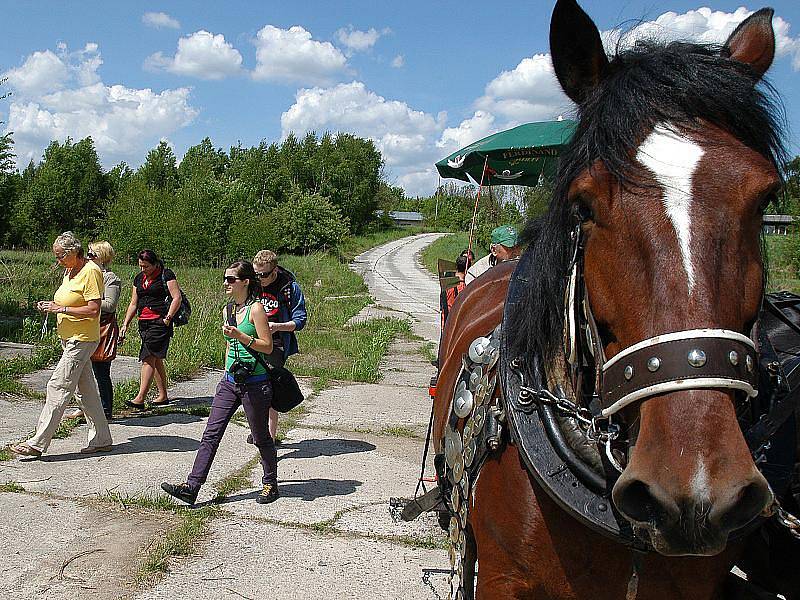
x=743 y=506
x=643 y=503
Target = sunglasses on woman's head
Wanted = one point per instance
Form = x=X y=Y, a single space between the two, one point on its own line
x=230 y=279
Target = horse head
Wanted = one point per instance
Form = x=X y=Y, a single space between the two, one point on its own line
x=673 y=161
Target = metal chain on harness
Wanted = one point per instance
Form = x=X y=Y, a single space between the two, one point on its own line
x=466 y=449
x=784 y=518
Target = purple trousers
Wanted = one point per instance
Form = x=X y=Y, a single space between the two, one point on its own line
x=256 y=399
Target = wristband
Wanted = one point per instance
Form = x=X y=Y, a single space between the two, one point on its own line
x=250 y=343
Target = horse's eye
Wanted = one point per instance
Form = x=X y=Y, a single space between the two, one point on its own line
x=583 y=211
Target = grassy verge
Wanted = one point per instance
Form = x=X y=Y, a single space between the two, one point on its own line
x=355 y=245
x=783 y=273
x=448 y=248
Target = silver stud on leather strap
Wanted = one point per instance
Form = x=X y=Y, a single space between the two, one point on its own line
x=733 y=356
x=653 y=364
x=697 y=358
x=628 y=372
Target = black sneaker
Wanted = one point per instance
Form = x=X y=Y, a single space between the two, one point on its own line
x=181 y=491
x=268 y=494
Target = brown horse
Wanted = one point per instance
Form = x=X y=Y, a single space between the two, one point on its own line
x=674 y=159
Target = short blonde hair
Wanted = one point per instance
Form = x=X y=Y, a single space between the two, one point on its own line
x=69 y=242
x=102 y=250
x=266 y=257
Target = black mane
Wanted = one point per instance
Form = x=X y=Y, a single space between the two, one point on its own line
x=677 y=83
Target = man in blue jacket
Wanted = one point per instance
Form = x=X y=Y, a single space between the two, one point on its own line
x=286 y=310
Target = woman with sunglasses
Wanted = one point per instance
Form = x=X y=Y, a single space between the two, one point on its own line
x=245 y=383
x=155 y=299
x=77 y=306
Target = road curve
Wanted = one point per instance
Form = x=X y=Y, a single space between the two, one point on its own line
x=397 y=280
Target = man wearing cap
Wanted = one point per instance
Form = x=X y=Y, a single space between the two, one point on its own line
x=505 y=246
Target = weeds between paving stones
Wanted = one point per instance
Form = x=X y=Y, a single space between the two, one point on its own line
x=181 y=540
x=5 y=454
x=11 y=486
x=400 y=431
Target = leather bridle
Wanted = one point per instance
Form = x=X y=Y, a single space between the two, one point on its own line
x=670 y=362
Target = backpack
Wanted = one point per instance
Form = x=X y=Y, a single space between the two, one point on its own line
x=185 y=311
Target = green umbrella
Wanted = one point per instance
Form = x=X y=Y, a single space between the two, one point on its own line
x=517 y=156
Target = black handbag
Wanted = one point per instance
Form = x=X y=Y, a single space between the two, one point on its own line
x=286 y=393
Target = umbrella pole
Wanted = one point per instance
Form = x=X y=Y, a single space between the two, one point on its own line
x=475 y=211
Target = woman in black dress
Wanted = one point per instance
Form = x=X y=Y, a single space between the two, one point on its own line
x=155 y=300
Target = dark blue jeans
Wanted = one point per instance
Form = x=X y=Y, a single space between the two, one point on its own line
x=102 y=373
x=256 y=399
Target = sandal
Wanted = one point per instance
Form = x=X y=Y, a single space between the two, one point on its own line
x=134 y=406
x=25 y=450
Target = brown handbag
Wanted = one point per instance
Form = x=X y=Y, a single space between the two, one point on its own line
x=109 y=338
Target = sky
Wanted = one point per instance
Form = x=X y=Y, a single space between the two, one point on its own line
x=421 y=79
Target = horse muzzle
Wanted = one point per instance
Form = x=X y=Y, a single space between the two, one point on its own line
x=698 y=524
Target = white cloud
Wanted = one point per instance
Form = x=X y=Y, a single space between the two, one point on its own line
x=40 y=73
x=123 y=122
x=358 y=41
x=404 y=136
x=704 y=26
x=160 y=20
x=529 y=92
x=291 y=55
x=201 y=54
x=398 y=61
x=469 y=130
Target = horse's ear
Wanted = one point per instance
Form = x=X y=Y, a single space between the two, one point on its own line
x=576 y=49
x=753 y=41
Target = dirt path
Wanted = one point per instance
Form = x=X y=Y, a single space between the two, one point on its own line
x=331 y=532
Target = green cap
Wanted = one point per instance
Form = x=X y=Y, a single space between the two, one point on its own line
x=505 y=235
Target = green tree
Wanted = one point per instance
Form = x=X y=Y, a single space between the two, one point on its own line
x=9 y=184
x=159 y=170
x=68 y=190
x=203 y=161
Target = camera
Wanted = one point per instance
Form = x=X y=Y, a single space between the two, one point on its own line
x=241 y=371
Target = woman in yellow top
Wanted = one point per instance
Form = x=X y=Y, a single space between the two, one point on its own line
x=77 y=305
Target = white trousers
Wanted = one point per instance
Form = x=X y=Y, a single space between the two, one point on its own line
x=73 y=372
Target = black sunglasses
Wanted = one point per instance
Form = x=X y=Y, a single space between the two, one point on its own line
x=91 y=254
x=230 y=279
x=265 y=275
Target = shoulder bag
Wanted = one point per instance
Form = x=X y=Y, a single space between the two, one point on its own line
x=286 y=393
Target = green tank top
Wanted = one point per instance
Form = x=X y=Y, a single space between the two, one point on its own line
x=237 y=350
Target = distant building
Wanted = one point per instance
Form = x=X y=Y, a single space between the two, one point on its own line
x=404 y=218
x=778 y=224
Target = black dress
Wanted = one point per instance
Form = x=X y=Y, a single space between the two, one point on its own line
x=156 y=299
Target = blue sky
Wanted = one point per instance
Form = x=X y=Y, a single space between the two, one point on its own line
x=420 y=78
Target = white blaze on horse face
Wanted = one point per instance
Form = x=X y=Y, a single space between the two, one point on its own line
x=673 y=160
x=700 y=487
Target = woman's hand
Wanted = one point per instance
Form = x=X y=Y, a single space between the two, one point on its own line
x=122 y=331
x=48 y=306
x=232 y=332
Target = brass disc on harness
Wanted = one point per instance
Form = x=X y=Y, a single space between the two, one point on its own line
x=469 y=431
x=494 y=356
x=454 y=529
x=455 y=498
x=463 y=403
x=452 y=447
x=458 y=469
x=469 y=453
x=465 y=489
x=452 y=552
x=462 y=543
x=475 y=377
x=478 y=418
